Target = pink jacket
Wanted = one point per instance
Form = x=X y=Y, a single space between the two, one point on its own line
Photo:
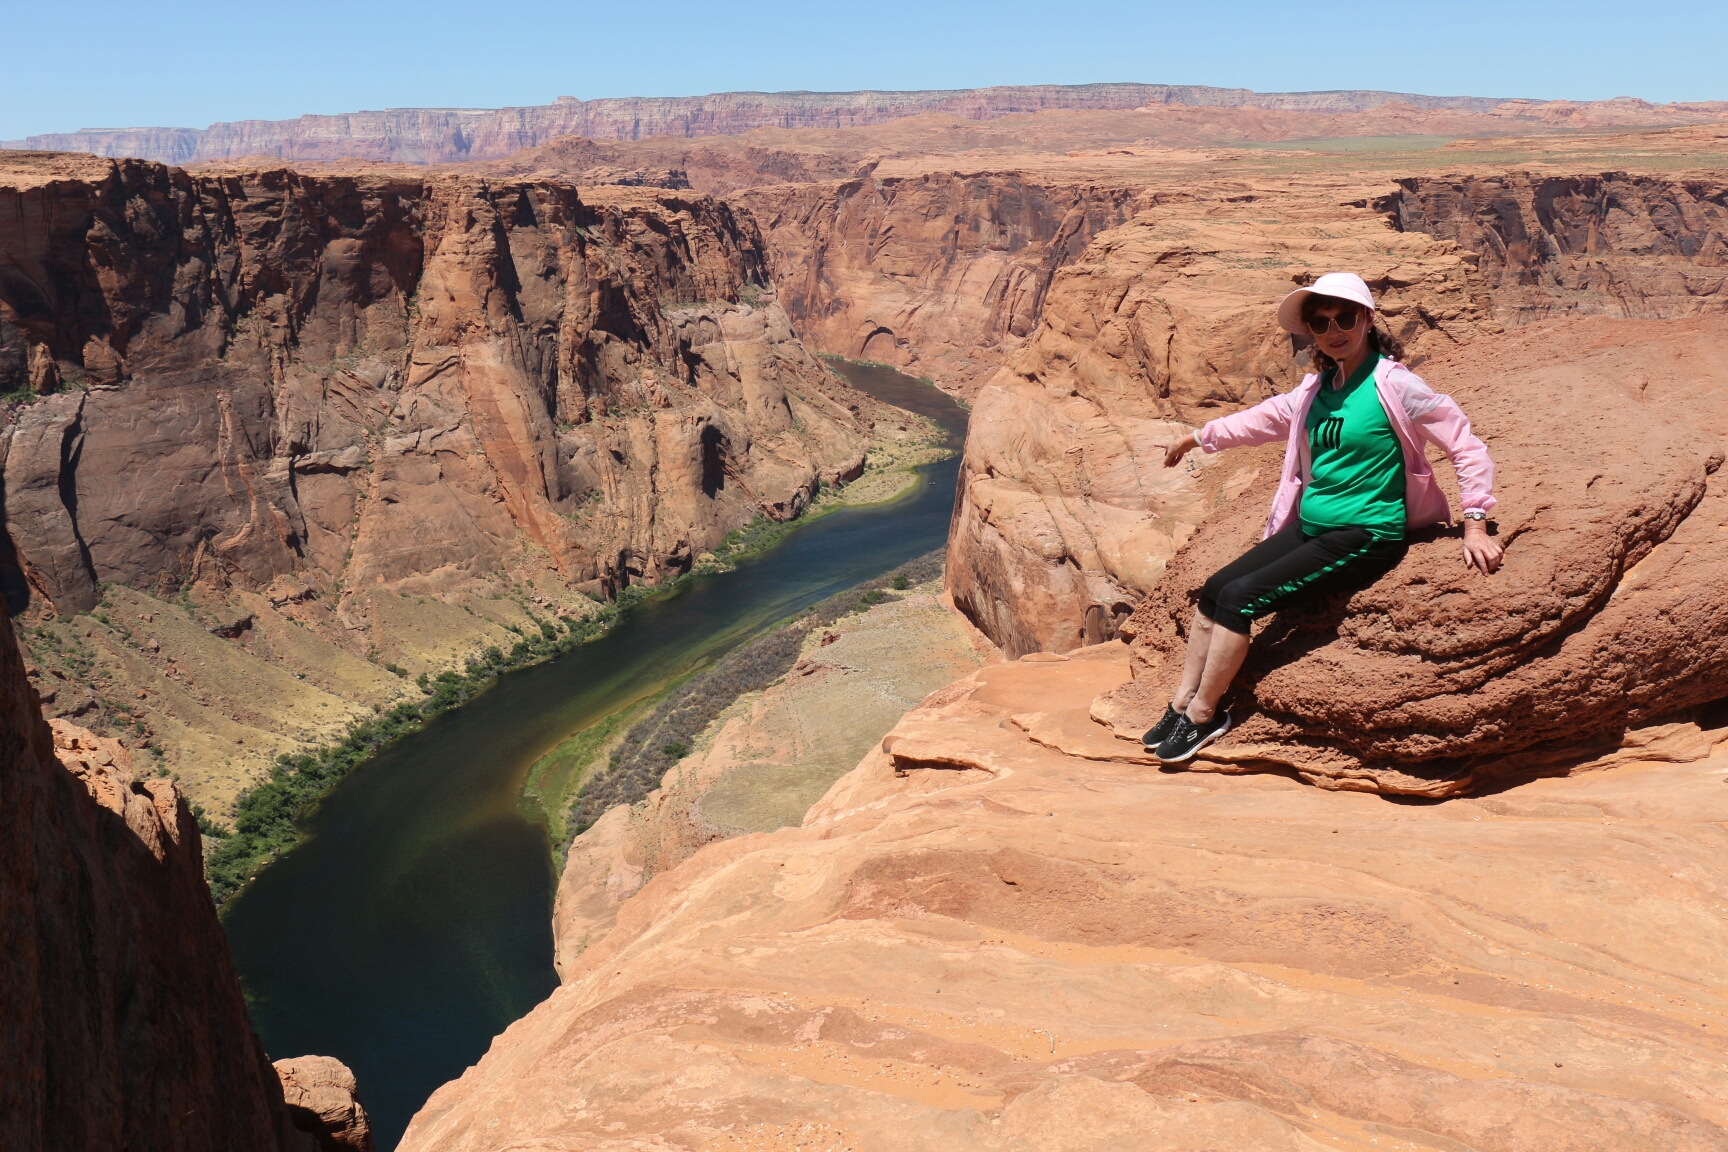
x=1417 y=413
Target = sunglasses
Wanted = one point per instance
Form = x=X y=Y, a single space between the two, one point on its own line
x=1346 y=323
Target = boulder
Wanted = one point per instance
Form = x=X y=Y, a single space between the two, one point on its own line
x=1608 y=613
x=321 y=1096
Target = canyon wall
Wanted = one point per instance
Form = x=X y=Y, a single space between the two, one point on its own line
x=124 y=1022
x=1615 y=244
x=1066 y=515
x=425 y=375
x=369 y=406
x=423 y=135
x=941 y=275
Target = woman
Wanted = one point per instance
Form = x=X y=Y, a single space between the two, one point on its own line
x=1355 y=478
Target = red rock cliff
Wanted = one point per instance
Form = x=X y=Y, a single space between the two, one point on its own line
x=368 y=380
x=124 y=1025
x=942 y=275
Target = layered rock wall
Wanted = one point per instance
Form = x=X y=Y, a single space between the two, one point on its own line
x=420 y=135
x=124 y=1022
x=942 y=275
x=1614 y=244
x=365 y=380
x=1066 y=514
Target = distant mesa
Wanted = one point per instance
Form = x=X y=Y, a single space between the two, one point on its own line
x=447 y=135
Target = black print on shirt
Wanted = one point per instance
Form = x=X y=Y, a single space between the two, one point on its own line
x=1327 y=434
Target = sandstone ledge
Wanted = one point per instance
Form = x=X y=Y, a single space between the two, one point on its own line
x=979 y=941
x=1608 y=615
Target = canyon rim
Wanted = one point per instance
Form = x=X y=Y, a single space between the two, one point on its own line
x=289 y=435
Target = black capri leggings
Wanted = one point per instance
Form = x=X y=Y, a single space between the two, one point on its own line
x=1292 y=564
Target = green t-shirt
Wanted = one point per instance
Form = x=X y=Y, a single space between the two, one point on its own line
x=1358 y=466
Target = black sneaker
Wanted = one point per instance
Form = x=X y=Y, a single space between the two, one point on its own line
x=1160 y=731
x=1189 y=737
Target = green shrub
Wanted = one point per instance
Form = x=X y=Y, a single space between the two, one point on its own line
x=267 y=816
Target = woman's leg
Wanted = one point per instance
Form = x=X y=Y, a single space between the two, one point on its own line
x=1204 y=634
x=1200 y=631
x=1223 y=660
x=1315 y=564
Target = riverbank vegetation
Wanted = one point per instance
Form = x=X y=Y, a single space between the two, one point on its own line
x=267 y=815
x=567 y=787
x=666 y=735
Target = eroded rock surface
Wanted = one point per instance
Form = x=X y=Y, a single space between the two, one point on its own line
x=982 y=940
x=320 y=1094
x=941 y=275
x=1608 y=613
x=1066 y=513
x=124 y=1022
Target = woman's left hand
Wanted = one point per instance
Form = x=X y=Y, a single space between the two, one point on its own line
x=1480 y=549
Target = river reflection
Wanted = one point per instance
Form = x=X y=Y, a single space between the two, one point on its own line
x=414 y=923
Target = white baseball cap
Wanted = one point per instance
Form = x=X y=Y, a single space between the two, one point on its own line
x=1339 y=285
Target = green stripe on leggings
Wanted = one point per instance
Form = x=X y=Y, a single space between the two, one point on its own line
x=1257 y=606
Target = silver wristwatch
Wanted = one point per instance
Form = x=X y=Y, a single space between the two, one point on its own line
x=1476 y=514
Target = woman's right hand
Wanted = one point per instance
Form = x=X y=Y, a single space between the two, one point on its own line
x=1173 y=453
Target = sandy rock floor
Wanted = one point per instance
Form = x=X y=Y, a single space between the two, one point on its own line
x=979 y=941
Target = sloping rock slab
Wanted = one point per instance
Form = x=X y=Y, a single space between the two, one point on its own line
x=1609 y=612
x=1057 y=952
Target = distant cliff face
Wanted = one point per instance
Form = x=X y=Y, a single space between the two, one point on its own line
x=423 y=135
x=347 y=415
x=1550 y=245
x=370 y=380
x=124 y=1022
x=942 y=275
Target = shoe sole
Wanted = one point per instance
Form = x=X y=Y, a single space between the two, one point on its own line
x=1204 y=740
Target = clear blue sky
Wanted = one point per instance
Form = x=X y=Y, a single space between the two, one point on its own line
x=102 y=64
